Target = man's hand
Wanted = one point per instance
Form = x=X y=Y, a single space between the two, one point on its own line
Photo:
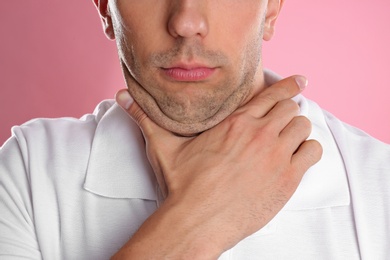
x=228 y=182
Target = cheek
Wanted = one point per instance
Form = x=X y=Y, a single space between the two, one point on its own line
x=244 y=28
x=135 y=25
x=133 y=50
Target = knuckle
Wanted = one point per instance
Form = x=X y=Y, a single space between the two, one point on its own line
x=303 y=123
x=141 y=119
x=290 y=182
x=268 y=129
x=317 y=150
x=233 y=119
x=237 y=124
x=138 y=115
x=283 y=89
x=238 y=119
x=294 y=106
x=314 y=152
x=290 y=105
x=270 y=97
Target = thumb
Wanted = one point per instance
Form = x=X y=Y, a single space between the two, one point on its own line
x=147 y=126
x=154 y=135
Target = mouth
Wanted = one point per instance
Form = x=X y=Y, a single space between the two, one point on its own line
x=188 y=72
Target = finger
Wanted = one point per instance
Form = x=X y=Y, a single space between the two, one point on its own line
x=308 y=154
x=296 y=132
x=147 y=126
x=282 y=114
x=284 y=89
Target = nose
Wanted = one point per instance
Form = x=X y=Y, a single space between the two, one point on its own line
x=188 y=19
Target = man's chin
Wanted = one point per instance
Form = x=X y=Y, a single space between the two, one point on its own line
x=187 y=126
x=179 y=128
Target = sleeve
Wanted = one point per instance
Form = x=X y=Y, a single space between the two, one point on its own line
x=18 y=239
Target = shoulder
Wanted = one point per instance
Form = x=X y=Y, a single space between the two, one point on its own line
x=367 y=163
x=67 y=131
x=42 y=142
x=357 y=142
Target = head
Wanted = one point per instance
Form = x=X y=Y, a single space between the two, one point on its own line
x=190 y=63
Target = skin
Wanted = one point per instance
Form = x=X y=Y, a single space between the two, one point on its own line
x=224 y=184
x=241 y=150
x=190 y=32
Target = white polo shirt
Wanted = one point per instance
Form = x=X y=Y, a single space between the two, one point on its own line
x=79 y=188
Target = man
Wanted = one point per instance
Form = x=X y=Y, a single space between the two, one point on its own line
x=216 y=170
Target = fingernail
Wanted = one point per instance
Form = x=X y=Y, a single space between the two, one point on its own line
x=301 y=81
x=124 y=99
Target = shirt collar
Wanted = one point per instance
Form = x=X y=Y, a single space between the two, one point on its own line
x=118 y=166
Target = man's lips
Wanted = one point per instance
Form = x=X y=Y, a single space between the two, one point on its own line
x=183 y=73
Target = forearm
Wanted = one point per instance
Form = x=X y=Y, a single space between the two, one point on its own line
x=172 y=232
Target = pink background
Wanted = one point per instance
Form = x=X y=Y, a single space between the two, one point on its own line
x=55 y=61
